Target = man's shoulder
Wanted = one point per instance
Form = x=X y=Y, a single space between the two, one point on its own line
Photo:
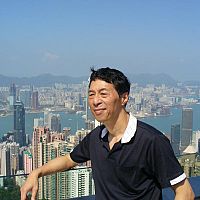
x=149 y=131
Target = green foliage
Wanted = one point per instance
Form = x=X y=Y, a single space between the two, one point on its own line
x=10 y=191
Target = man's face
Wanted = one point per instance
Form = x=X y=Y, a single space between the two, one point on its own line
x=104 y=101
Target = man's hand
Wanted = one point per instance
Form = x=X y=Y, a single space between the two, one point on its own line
x=53 y=166
x=31 y=185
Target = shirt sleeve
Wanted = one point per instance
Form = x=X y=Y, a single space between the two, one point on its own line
x=81 y=152
x=165 y=166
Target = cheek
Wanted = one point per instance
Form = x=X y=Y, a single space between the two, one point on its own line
x=89 y=102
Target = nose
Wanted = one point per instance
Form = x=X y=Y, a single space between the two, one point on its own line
x=96 y=100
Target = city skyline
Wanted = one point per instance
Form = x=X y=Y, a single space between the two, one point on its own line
x=69 y=37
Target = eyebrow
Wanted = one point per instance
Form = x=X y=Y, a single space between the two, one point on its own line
x=100 y=90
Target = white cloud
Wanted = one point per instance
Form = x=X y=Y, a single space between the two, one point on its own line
x=49 y=56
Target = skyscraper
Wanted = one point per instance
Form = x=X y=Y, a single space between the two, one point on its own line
x=53 y=186
x=12 y=95
x=40 y=134
x=25 y=97
x=19 y=123
x=9 y=158
x=35 y=102
x=175 y=138
x=54 y=122
x=79 y=99
x=186 y=128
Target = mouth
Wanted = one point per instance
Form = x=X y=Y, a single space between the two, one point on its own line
x=98 y=111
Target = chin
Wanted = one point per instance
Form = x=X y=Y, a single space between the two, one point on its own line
x=100 y=119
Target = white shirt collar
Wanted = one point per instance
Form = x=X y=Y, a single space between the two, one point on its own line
x=129 y=132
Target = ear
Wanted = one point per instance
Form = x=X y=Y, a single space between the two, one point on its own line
x=124 y=98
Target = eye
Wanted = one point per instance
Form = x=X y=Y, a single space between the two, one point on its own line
x=90 y=94
x=104 y=94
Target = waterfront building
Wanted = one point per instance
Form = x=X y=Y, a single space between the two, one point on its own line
x=19 y=123
x=54 y=122
x=186 y=128
x=79 y=99
x=175 y=138
x=25 y=97
x=12 y=95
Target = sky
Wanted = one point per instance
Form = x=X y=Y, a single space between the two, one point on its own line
x=68 y=37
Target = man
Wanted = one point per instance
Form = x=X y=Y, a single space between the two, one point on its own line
x=130 y=159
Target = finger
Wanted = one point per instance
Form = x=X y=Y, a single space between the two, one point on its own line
x=34 y=193
x=23 y=194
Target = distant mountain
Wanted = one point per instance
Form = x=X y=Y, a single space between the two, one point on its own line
x=41 y=80
x=156 y=79
x=49 y=80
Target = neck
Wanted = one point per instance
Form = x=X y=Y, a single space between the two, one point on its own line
x=118 y=126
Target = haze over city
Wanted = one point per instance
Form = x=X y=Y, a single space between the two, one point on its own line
x=68 y=37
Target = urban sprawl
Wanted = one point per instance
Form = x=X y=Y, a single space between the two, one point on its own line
x=21 y=152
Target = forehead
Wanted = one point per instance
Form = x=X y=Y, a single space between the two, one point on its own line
x=100 y=84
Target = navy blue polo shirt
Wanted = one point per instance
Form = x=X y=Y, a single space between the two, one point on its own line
x=137 y=167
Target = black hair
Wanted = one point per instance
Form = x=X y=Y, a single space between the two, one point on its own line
x=113 y=76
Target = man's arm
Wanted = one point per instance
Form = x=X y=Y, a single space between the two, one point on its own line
x=56 y=165
x=183 y=191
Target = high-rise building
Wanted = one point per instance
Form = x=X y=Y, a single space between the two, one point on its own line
x=12 y=95
x=53 y=186
x=14 y=157
x=35 y=101
x=54 y=122
x=46 y=118
x=175 y=138
x=28 y=162
x=9 y=158
x=79 y=99
x=40 y=135
x=79 y=183
x=25 y=97
x=19 y=123
x=38 y=122
x=5 y=160
x=186 y=128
